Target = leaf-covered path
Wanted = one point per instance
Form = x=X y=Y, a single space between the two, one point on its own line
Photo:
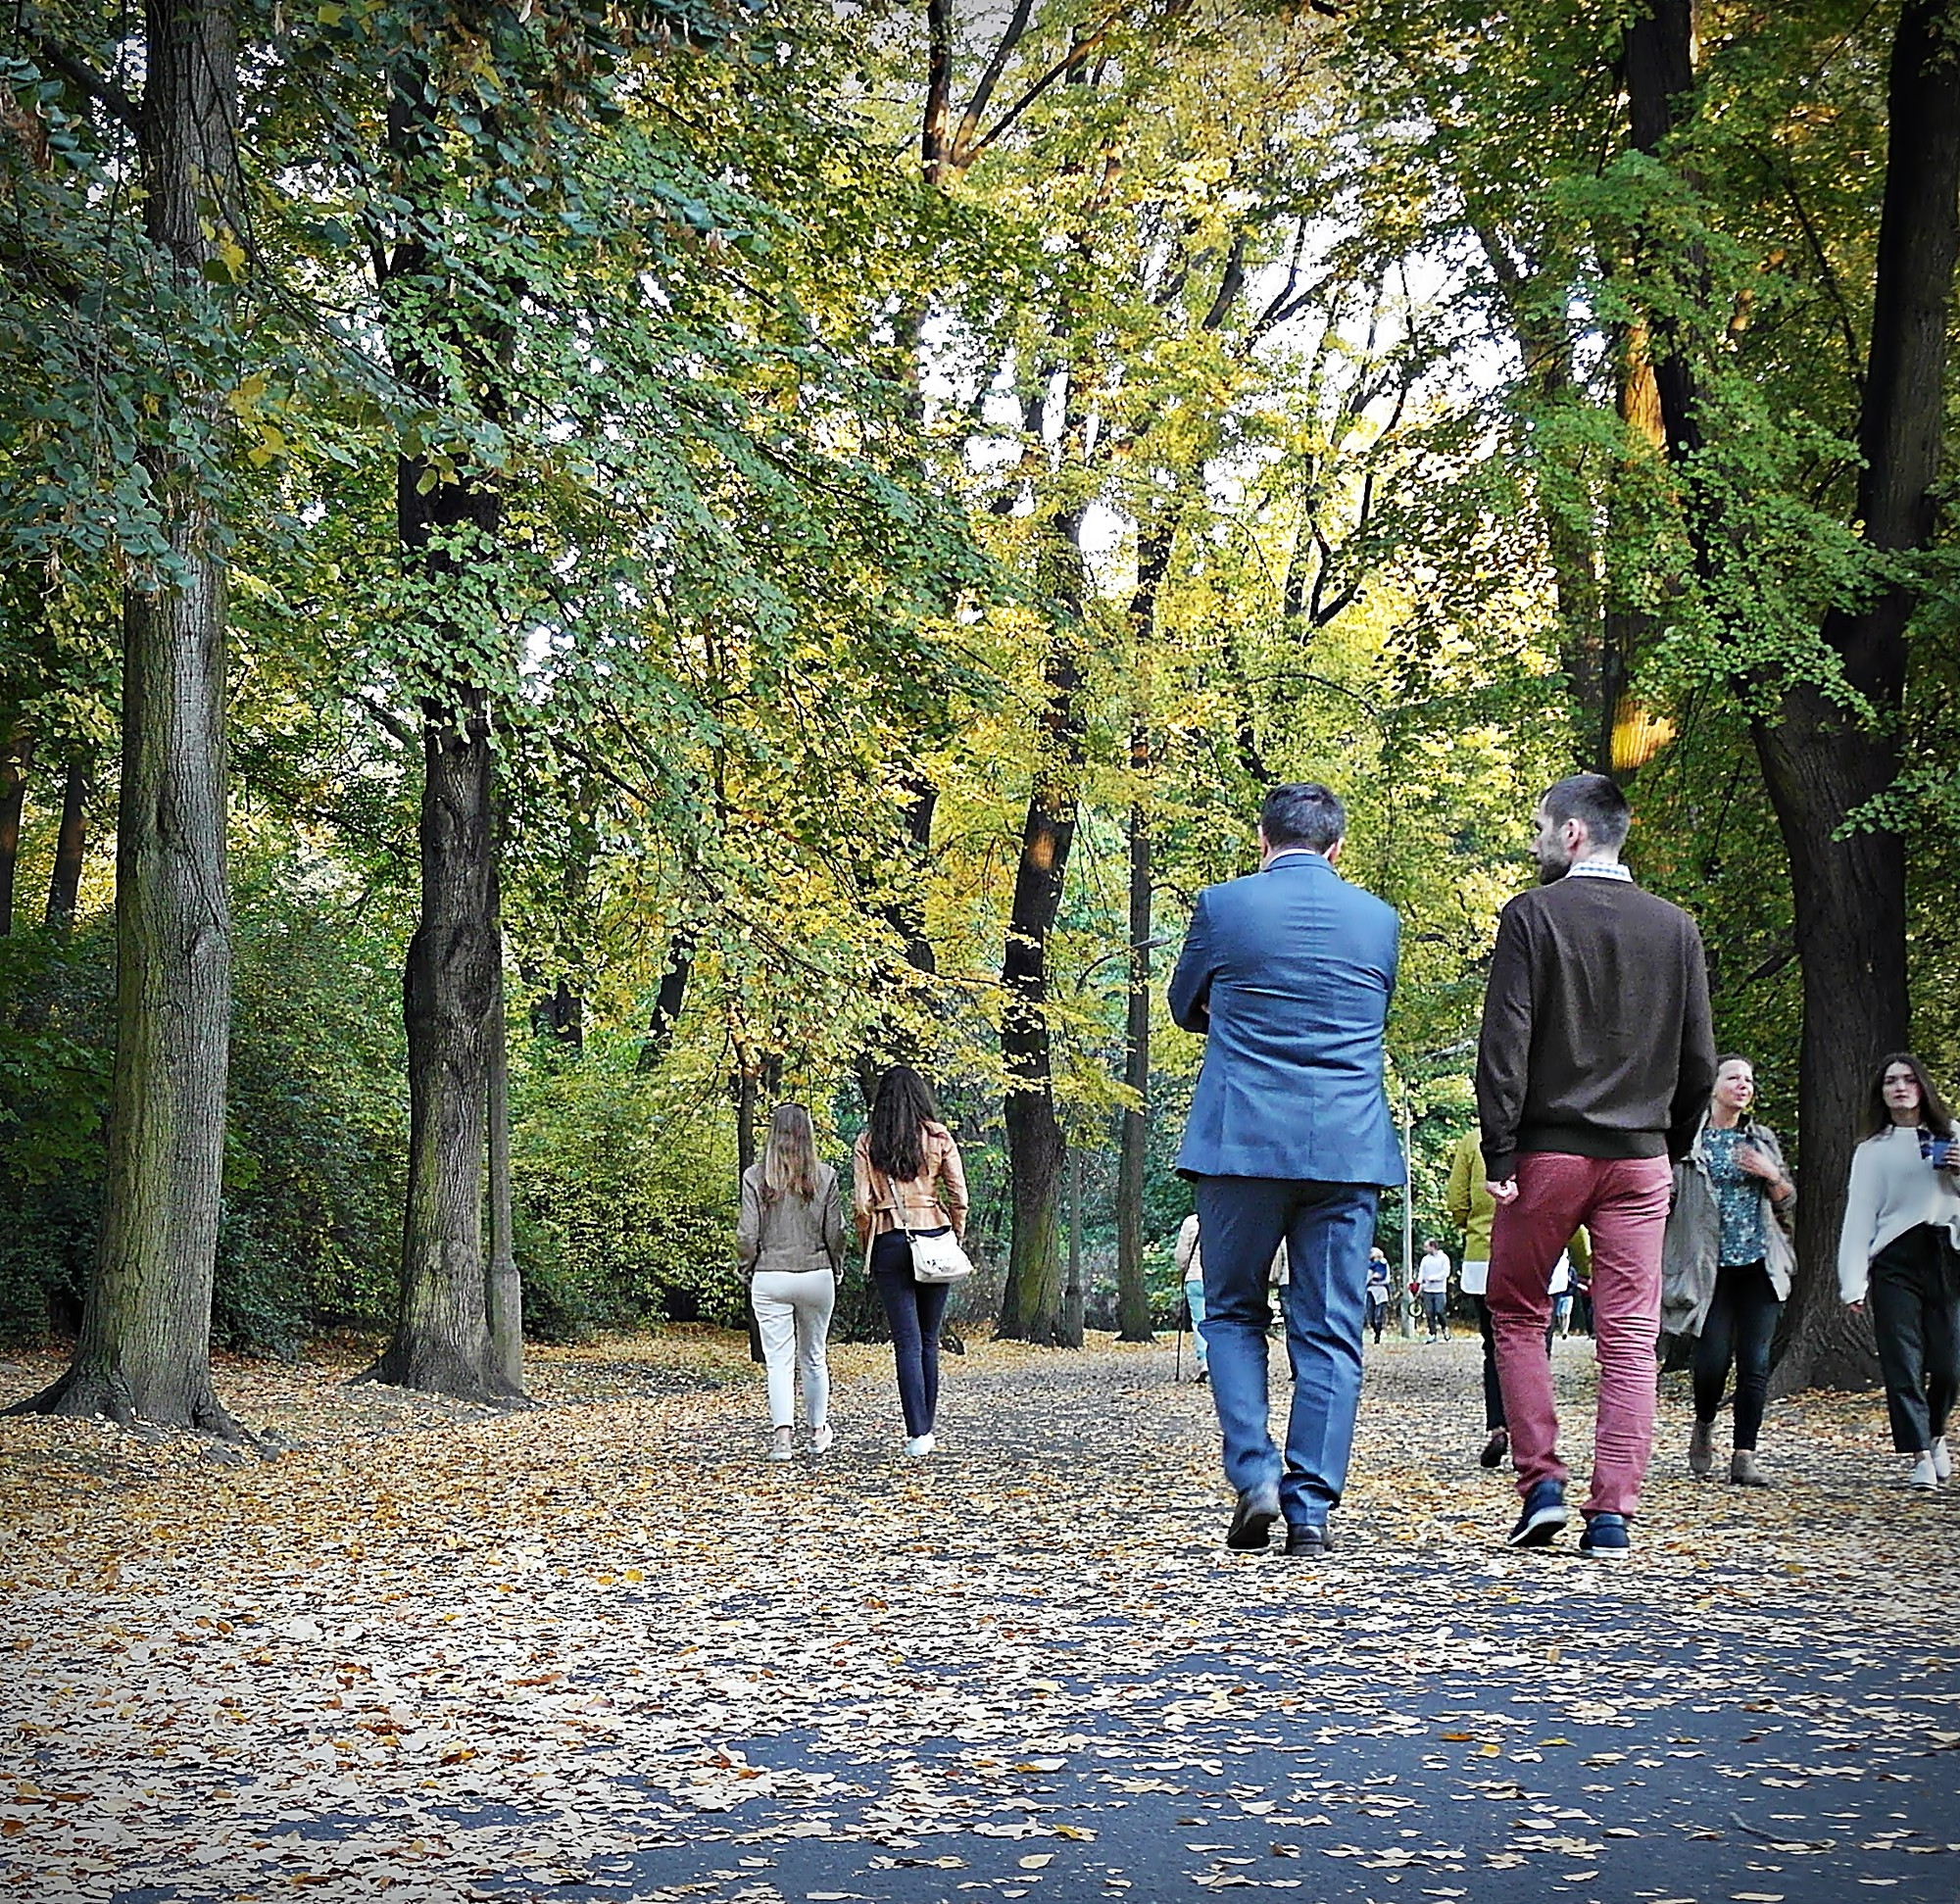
x=605 y=1650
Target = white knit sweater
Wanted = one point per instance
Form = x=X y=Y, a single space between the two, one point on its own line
x=1892 y=1188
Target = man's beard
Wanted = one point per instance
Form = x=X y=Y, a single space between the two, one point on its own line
x=1551 y=872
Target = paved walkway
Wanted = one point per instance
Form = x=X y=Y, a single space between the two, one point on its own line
x=605 y=1650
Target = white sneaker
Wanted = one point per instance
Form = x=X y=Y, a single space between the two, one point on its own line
x=1925 y=1472
x=782 y=1446
x=1943 y=1462
x=821 y=1439
x=920 y=1446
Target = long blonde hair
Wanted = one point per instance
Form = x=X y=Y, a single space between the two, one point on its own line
x=789 y=1164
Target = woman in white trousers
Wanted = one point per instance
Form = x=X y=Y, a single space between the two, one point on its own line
x=790 y=1242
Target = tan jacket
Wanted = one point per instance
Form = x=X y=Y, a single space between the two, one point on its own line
x=790 y=1234
x=934 y=1199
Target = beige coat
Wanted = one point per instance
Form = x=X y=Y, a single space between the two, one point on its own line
x=790 y=1234
x=934 y=1199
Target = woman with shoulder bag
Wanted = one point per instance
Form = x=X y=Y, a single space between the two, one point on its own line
x=1726 y=1264
x=908 y=1184
x=790 y=1242
x=1901 y=1230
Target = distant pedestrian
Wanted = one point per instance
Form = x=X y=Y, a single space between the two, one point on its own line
x=1432 y=1281
x=1897 y=1250
x=790 y=1243
x=1288 y=973
x=1191 y=1272
x=907 y=1176
x=1377 y=1291
x=1593 y=1067
x=1727 y=1263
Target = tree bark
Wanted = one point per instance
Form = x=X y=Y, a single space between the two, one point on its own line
x=145 y=1344
x=1820 y=761
x=667 y=1003
x=1821 y=764
x=449 y=989
x=71 y=843
x=16 y=753
x=1032 y=1309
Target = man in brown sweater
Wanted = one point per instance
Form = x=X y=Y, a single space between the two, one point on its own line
x=1595 y=1065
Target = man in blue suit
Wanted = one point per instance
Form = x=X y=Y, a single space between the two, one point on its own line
x=1288 y=973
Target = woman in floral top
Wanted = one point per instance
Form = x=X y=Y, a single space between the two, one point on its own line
x=1727 y=1264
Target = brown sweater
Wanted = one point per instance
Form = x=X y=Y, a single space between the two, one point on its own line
x=1597 y=1037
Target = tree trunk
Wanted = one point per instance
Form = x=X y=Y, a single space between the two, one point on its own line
x=1030 y=1302
x=145 y=1344
x=15 y=754
x=70 y=841
x=1818 y=761
x=449 y=993
x=1849 y=895
x=559 y=1015
x=667 y=1003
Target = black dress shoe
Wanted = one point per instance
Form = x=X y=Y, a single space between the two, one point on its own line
x=1309 y=1541
x=1495 y=1448
x=1252 y=1519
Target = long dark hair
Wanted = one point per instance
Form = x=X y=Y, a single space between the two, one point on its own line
x=900 y=1114
x=1933 y=1112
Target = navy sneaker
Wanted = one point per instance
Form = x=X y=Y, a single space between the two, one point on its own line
x=1606 y=1538
x=1544 y=1514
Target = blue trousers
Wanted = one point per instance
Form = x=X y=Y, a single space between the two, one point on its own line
x=914 y=1311
x=1327 y=1229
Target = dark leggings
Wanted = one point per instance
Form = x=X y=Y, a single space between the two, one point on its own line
x=914 y=1311
x=1741 y=1318
x=1493 y=1393
x=1914 y=1316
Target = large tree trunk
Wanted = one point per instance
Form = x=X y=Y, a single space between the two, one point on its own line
x=1849 y=893
x=1820 y=761
x=1031 y=1302
x=449 y=993
x=15 y=752
x=145 y=1344
x=70 y=841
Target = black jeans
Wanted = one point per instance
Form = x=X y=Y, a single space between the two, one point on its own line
x=914 y=1311
x=1493 y=1393
x=1917 y=1320
x=1741 y=1319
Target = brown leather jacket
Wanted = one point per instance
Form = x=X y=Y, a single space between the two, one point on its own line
x=932 y=1200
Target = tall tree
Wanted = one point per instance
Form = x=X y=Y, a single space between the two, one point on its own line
x=144 y=1348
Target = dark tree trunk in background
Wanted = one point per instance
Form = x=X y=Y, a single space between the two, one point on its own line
x=452 y=986
x=14 y=759
x=450 y=996
x=1851 y=896
x=667 y=1003
x=71 y=843
x=1032 y=1307
x=1133 y=1296
x=145 y=1344
x=1821 y=763
x=559 y=1015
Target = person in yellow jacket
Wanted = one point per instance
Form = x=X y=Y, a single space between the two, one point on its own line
x=1471 y=1209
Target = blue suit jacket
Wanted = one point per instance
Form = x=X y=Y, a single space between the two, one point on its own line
x=1289 y=973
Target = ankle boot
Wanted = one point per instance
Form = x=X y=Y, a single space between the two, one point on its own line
x=1702 y=1450
x=1743 y=1471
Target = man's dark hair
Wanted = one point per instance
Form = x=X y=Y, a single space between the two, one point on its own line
x=1595 y=802
x=1302 y=813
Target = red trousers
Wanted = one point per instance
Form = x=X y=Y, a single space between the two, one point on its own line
x=1623 y=1204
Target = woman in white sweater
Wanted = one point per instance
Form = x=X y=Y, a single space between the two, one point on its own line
x=1897 y=1250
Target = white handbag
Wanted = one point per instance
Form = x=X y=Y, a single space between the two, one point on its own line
x=935 y=1258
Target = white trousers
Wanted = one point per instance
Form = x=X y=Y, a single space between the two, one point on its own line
x=793 y=1319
